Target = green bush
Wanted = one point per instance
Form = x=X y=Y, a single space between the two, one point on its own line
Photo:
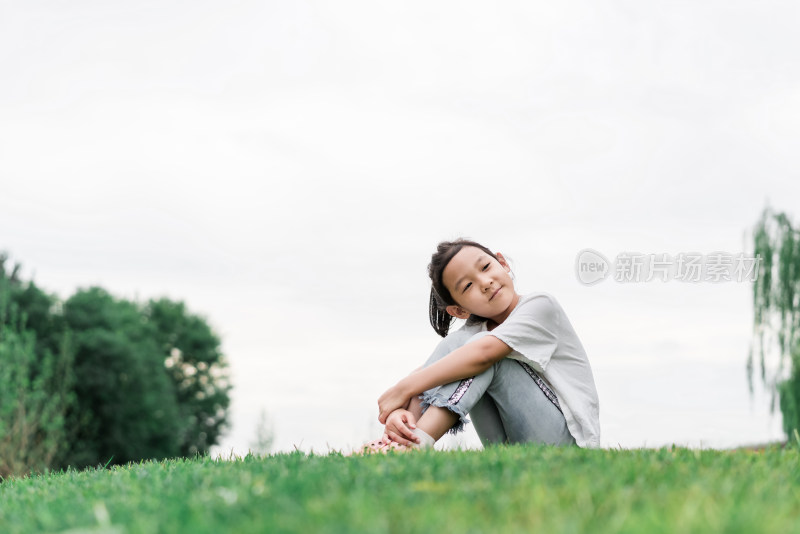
x=35 y=393
x=194 y=362
x=102 y=380
x=121 y=384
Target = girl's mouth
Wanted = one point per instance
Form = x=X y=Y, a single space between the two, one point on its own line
x=495 y=293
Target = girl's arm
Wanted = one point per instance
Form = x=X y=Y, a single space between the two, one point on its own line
x=469 y=360
x=414 y=404
x=401 y=422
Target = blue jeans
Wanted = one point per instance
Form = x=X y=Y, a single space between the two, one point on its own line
x=508 y=403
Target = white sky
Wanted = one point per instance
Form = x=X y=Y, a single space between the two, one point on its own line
x=288 y=168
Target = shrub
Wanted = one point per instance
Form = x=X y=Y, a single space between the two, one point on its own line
x=35 y=393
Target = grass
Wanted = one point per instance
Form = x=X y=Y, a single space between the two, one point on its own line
x=501 y=489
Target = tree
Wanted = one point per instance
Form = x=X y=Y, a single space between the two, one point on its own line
x=39 y=311
x=127 y=408
x=198 y=369
x=776 y=305
x=35 y=386
x=265 y=435
x=150 y=381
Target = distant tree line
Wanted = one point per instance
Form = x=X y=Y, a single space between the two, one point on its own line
x=96 y=380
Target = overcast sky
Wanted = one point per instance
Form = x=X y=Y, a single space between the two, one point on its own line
x=287 y=168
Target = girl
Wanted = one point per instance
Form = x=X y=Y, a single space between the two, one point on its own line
x=516 y=366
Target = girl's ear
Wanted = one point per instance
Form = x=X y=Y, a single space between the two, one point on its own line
x=502 y=261
x=458 y=312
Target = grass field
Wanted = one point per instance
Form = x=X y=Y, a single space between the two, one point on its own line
x=501 y=489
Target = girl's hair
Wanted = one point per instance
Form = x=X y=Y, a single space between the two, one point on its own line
x=440 y=295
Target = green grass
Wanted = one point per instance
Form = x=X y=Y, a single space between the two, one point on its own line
x=501 y=489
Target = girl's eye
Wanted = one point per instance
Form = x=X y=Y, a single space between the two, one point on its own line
x=467 y=286
x=485 y=266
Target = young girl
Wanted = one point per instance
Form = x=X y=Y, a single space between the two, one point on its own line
x=516 y=367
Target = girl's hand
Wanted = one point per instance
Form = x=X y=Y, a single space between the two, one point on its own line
x=393 y=398
x=399 y=427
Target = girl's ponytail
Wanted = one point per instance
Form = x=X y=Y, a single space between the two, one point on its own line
x=440 y=319
x=440 y=296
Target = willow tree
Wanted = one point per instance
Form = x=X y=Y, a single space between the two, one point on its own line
x=776 y=317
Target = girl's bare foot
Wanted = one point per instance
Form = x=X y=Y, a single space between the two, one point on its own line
x=379 y=446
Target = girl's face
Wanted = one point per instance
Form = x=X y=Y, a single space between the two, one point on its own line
x=480 y=284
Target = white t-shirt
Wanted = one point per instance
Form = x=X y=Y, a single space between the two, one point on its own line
x=540 y=334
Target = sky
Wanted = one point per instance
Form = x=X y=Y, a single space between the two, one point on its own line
x=287 y=169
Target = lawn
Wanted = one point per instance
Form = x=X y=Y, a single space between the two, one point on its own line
x=500 y=489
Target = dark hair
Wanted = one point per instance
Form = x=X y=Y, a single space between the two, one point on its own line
x=440 y=295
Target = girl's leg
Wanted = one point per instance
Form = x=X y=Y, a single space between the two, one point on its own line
x=435 y=421
x=463 y=397
x=526 y=412
x=486 y=418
